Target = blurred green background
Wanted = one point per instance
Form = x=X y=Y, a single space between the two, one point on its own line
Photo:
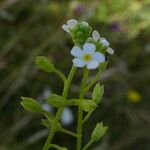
x=29 y=28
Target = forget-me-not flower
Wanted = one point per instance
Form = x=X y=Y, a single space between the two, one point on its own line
x=87 y=56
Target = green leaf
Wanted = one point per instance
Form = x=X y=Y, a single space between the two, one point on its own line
x=98 y=93
x=31 y=105
x=44 y=64
x=56 y=100
x=98 y=131
x=87 y=105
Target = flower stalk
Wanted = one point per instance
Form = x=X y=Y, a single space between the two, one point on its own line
x=89 y=53
x=80 y=112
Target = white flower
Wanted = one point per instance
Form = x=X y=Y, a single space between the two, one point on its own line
x=87 y=57
x=103 y=41
x=71 y=23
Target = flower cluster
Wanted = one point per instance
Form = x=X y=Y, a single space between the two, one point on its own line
x=87 y=51
x=96 y=37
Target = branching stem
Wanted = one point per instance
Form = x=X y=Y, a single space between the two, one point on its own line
x=60 y=110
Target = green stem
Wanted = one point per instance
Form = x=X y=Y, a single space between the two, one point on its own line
x=60 y=110
x=80 y=112
x=55 y=146
x=60 y=74
x=94 y=80
x=87 y=116
x=87 y=145
x=69 y=133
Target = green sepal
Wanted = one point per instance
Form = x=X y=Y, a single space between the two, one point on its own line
x=47 y=123
x=98 y=45
x=31 y=105
x=44 y=64
x=98 y=93
x=98 y=131
x=80 y=33
x=56 y=100
x=87 y=105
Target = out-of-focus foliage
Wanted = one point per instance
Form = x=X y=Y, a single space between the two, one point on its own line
x=29 y=28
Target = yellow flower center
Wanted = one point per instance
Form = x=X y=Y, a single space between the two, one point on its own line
x=87 y=57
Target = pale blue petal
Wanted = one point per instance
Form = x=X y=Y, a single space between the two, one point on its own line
x=89 y=48
x=99 y=57
x=95 y=35
x=66 y=28
x=104 y=42
x=92 y=65
x=76 y=52
x=78 y=62
x=72 y=22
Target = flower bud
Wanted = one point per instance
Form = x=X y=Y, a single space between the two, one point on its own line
x=98 y=93
x=88 y=105
x=31 y=105
x=44 y=64
x=80 y=33
x=56 y=100
x=98 y=131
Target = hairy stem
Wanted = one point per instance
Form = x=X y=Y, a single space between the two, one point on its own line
x=60 y=74
x=80 y=112
x=60 y=110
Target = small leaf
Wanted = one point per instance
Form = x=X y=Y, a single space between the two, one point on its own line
x=56 y=100
x=87 y=105
x=98 y=93
x=98 y=131
x=31 y=105
x=44 y=64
